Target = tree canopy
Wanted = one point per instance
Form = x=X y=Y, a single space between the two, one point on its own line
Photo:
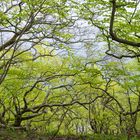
x=70 y=67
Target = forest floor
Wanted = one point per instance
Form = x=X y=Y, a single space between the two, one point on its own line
x=20 y=135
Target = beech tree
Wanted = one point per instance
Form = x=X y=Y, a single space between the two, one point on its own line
x=59 y=74
x=118 y=22
x=25 y=24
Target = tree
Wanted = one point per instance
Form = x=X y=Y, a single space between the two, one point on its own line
x=46 y=79
x=26 y=24
x=118 y=23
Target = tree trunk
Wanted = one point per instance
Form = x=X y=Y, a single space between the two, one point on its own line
x=17 y=122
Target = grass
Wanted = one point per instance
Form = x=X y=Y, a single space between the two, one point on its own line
x=9 y=134
x=12 y=135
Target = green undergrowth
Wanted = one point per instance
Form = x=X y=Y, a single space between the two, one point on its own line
x=10 y=134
